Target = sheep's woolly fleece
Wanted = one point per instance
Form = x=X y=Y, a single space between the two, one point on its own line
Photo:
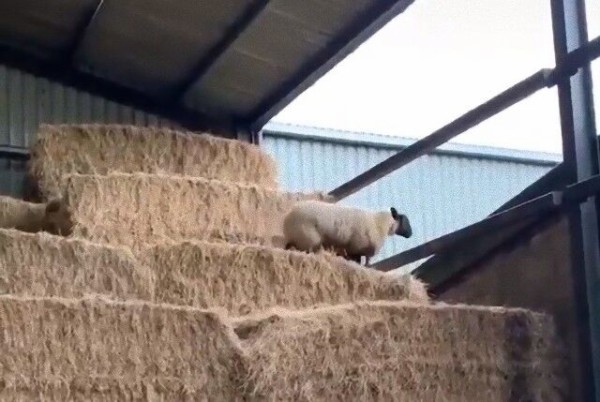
x=132 y=209
x=22 y=215
x=101 y=149
x=312 y=223
x=383 y=351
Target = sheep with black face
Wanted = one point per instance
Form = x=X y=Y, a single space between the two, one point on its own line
x=312 y=225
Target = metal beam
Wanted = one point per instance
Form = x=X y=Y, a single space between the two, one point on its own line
x=81 y=31
x=380 y=14
x=498 y=103
x=232 y=34
x=574 y=194
x=574 y=59
x=15 y=153
x=580 y=152
x=527 y=210
x=69 y=76
x=543 y=78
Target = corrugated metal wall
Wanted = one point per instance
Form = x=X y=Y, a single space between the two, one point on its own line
x=439 y=192
x=26 y=101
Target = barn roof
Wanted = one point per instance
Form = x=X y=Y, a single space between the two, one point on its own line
x=226 y=64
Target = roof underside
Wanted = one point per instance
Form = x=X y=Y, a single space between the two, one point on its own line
x=221 y=65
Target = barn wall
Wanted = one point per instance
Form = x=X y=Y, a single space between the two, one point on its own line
x=441 y=192
x=532 y=271
x=27 y=100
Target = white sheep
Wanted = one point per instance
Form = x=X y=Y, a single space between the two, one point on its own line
x=312 y=225
x=34 y=217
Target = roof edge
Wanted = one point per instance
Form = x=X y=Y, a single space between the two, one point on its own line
x=387 y=141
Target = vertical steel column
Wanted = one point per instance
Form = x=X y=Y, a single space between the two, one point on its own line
x=580 y=153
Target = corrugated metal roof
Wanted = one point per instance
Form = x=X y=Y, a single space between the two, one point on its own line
x=440 y=192
x=232 y=64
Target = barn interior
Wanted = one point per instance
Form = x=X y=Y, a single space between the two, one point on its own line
x=209 y=304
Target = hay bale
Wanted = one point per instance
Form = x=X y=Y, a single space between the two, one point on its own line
x=45 y=265
x=100 y=149
x=94 y=349
x=383 y=351
x=129 y=209
x=244 y=278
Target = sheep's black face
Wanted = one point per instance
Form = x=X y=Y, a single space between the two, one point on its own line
x=404 y=228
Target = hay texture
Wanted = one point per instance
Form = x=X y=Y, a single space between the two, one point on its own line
x=384 y=351
x=130 y=209
x=45 y=265
x=100 y=149
x=247 y=278
x=94 y=349
x=22 y=215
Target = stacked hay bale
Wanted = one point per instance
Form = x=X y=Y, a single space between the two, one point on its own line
x=181 y=234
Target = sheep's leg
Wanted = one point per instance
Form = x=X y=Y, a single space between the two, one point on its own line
x=367 y=261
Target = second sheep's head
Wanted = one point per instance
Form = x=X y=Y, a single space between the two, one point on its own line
x=402 y=225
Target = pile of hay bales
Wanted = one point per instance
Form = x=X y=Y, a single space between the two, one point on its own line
x=101 y=149
x=239 y=278
x=384 y=351
x=40 y=264
x=177 y=234
x=138 y=208
x=95 y=349
x=246 y=278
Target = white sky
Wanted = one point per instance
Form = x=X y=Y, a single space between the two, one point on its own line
x=438 y=60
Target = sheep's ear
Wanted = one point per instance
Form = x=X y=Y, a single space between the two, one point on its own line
x=53 y=206
x=394 y=213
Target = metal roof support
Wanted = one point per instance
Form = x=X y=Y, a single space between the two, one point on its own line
x=544 y=78
x=237 y=29
x=580 y=152
x=80 y=32
x=500 y=102
x=14 y=153
x=449 y=265
x=529 y=210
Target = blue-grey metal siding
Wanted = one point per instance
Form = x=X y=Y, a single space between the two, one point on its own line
x=26 y=101
x=439 y=192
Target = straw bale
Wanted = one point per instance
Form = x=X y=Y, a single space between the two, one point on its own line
x=246 y=278
x=129 y=209
x=22 y=215
x=96 y=349
x=45 y=265
x=383 y=351
x=100 y=149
